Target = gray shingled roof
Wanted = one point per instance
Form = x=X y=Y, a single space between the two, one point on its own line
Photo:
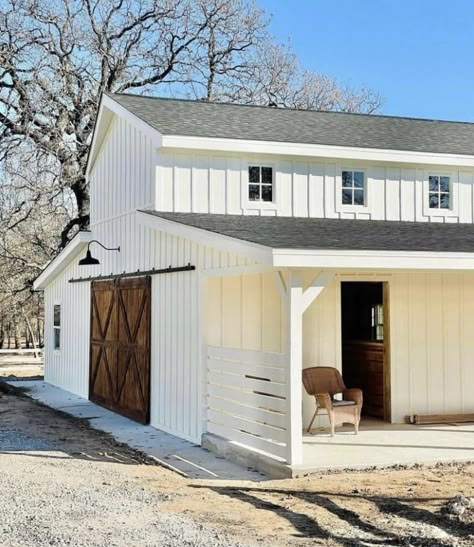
x=327 y=234
x=230 y=121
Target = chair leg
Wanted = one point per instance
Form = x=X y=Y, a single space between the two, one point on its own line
x=332 y=421
x=312 y=419
x=356 y=421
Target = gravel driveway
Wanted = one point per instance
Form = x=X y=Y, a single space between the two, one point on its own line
x=64 y=484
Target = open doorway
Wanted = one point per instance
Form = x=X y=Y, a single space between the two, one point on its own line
x=365 y=342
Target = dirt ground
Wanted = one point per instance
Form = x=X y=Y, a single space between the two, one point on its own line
x=376 y=508
x=20 y=366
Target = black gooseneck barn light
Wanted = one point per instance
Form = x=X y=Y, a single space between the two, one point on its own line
x=89 y=260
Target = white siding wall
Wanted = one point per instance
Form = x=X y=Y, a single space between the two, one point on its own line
x=68 y=368
x=216 y=183
x=432 y=321
x=176 y=349
x=122 y=178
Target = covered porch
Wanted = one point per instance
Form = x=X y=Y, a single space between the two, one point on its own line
x=263 y=328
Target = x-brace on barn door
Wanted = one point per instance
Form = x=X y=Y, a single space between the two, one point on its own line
x=120 y=346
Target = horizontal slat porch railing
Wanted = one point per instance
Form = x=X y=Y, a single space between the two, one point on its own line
x=246 y=398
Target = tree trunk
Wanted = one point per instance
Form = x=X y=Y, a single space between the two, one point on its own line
x=30 y=330
x=16 y=334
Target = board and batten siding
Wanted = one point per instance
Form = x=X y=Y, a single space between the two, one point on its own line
x=217 y=183
x=68 y=367
x=176 y=344
x=431 y=321
x=122 y=178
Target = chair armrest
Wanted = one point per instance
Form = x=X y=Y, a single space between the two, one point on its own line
x=324 y=400
x=353 y=394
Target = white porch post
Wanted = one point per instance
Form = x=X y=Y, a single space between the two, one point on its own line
x=297 y=301
x=294 y=344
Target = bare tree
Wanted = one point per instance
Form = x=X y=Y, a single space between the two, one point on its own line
x=57 y=58
x=276 y=77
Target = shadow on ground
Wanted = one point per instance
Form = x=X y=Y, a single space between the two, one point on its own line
x=29 y=428
x=310 y=512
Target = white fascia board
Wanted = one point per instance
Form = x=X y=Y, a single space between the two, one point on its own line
x=317 y=150
x=107 y=107
x=62 y=261
x=372 y=260
x=228 y=244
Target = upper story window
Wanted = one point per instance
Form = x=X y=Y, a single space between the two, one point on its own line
x=57 y=326
x=439 y=192
x=353 y=188
x=260 y=183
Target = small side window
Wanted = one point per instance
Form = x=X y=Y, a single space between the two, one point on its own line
x=260 y=183
x=57 y=326
x=353 y=188
x=439 y=192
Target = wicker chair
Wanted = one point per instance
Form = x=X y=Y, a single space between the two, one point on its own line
x=323 y=383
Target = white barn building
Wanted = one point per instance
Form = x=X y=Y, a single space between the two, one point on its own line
x=295 y=239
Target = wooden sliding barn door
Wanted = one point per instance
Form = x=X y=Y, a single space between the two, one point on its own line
x=120 y=346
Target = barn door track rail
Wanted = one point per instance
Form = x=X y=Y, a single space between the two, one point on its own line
x=137 y=273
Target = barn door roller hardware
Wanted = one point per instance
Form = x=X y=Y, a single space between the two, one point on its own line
x=89 y=260
x=138 y=273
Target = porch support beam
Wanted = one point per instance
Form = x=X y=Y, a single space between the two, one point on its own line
x=315 y=288
x=297 y=302
x=295 y=358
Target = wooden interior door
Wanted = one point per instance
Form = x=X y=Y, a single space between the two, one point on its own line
x=120 y=346
x=363 y=368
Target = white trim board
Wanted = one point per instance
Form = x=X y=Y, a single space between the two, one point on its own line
x=107 y=108
x=372 y=260
x=316 y=150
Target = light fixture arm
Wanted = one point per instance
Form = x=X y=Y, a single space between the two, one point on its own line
x=103 y=246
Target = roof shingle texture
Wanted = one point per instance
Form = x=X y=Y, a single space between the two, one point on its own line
x=333 y=234
x=231 y=121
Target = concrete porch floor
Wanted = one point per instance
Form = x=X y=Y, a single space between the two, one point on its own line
x=380 y=444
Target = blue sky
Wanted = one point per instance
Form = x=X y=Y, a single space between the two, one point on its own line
x=419 y=54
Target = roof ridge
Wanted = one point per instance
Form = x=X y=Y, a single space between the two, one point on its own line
x=277 y=108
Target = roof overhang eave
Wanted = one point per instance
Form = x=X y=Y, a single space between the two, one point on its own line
x=316 y=150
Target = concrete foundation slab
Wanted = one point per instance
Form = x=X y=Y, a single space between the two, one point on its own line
x=177 y=454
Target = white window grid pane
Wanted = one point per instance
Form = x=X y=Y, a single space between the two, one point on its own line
x=438 y=195
x=353 y=187
x=439 y=192
x=260 y=183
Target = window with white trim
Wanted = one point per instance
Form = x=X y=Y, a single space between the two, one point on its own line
x=353 y=187
x=56 y=326
x=260 y=183
x=439 y=192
